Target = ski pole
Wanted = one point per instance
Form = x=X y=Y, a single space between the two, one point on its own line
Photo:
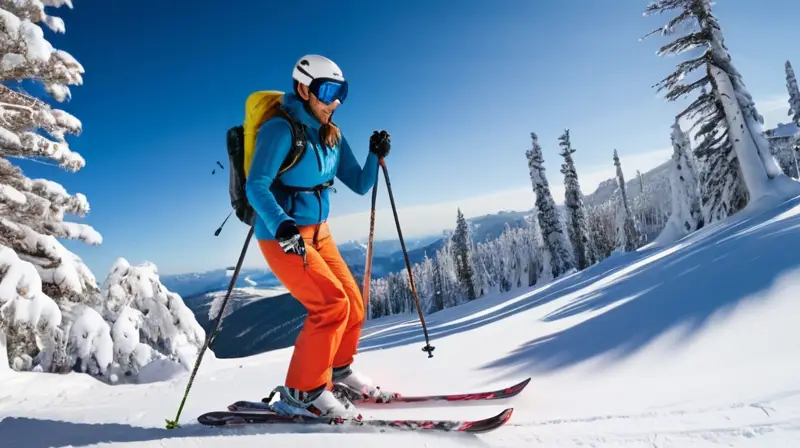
x=428 y=348
x=368 y=265
x=171 y=424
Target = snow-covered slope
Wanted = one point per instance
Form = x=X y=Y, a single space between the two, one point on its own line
x=691 y=345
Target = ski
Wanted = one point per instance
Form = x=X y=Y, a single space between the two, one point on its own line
x=357 y=398
x=234 y=419
x=346 y=394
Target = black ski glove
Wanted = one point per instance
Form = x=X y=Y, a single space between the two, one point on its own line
x=289 y=238
x=380 y=143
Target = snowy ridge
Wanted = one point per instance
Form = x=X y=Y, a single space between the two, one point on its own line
x=239 y=297
x=687 y=345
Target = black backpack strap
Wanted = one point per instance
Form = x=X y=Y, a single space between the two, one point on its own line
x=299 y=142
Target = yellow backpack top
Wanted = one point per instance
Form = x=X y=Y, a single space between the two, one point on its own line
x=241 y=141
x=260 y=107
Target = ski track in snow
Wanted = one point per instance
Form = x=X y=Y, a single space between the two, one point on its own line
x=690 y=345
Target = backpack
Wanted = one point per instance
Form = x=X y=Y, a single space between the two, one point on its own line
x=241 y=141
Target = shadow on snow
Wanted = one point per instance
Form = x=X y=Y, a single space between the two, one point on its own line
x=679 y=286
x=641 y=295
x=40 y=433
x=403 y=329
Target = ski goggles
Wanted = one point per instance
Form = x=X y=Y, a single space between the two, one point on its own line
x=329 y=90
x=326 y=90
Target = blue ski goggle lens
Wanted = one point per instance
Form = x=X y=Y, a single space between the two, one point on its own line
x=329 y=90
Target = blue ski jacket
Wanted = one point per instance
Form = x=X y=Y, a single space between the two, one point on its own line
x=274 y=204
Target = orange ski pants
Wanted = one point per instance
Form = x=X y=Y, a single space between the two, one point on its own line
x=330 y=294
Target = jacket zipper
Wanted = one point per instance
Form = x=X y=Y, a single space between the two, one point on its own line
x=319 y=159
x=318 y=194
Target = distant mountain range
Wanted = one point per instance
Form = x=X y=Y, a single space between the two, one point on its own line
x=195 y=283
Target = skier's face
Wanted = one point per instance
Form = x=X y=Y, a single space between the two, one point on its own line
x=322 y=112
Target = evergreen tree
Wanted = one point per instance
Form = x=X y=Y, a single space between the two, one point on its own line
x=794 y=94
x=602 y=225
x=738 y=164
x=577 y=225
x=33 y=209
x=461 y=251
x=549 y=223
x=686 y=216
x=627 y=236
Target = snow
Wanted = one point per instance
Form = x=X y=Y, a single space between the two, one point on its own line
x=8 y=138
x=21 y=296
x=90 y=337
x=9 y=193
x=688 y=345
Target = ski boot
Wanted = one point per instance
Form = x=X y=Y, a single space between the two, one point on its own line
x=349 y=386
x=317 y=403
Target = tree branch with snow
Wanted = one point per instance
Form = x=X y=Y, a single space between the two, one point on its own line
x=27 y=314
x=26 y=54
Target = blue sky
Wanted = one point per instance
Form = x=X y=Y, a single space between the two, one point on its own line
x=459 y=85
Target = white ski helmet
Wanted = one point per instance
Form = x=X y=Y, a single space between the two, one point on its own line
x=313 y=66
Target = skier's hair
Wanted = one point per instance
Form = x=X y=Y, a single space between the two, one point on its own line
x=329 y=133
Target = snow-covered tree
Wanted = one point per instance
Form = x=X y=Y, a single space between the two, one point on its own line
x=147 y=320
x=379 y=298
x=452 y=291
x=553 y=234
x=577 y=225
x=32 y=211
x=602 y=226
x=627 y=236
x=462 y=251
x=794 y=94
x=738 y=164
x=423 y=281
x=686 y=216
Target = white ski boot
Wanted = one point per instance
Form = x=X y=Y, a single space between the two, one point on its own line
x=320 y=403
x=354 y=385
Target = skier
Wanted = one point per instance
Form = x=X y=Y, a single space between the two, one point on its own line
x=290 y=225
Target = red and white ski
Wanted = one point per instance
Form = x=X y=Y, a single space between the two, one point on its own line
x=241 y=418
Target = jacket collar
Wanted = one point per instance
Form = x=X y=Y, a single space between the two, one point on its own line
x=294 y=106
